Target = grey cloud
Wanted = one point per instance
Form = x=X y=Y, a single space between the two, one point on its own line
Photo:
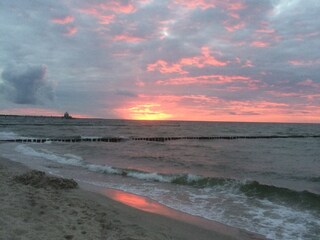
x=125 y=93
x=26 y=85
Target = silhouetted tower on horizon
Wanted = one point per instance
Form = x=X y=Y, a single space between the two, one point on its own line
x=67 y=115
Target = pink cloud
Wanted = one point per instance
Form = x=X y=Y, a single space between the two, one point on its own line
x=283 y=94
x=231 y=5
x=296 y=62
x=247 y=64
x=164 y=67
x=301 y=37
x=234 y=5
x=144 y=1
x=230 y=27
x=127 y=38
x=71 y=31
x=106 y=19
x=117 y=7
x=305 y=62
x=205 y=59
x=312 y=97
x=114 y=7
x=233 y=8
x=107 y=11
x=265 y=35
x=260 y=44
x=309 y=83
x=192 y=4
x=304 y=95
x=140 y=83
x=307 y=89
x=103 y=18
x=209 y=79
x=265 y=28
x=62 y=21
x=268 y=104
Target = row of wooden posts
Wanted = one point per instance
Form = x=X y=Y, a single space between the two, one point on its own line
x=154 y=139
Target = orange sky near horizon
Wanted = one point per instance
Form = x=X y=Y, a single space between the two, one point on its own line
x=203 y=108
x=156 y=111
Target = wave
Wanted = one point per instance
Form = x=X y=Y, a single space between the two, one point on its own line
x=67 y=159
x=303 y=199
x=252 y=189
x=9 y=136
x=314 y=179
x=255 y=189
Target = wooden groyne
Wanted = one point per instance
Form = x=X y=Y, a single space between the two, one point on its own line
x=163 y=139
x=151 y=139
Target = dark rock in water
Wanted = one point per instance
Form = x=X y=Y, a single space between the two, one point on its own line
x=39 y=179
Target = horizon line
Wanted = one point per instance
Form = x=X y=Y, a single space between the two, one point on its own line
x=146 y=120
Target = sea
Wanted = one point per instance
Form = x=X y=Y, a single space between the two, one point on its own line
x=261 y=177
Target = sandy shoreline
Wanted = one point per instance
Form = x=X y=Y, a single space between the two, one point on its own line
x=28 y=212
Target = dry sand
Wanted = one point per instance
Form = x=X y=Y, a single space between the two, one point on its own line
x=49 y=208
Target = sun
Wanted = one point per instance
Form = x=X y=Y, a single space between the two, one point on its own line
x=148 y=111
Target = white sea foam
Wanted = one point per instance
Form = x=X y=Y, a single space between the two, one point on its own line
x=26 y=150
x=271 y=220
x=286 y=222
x=192 y=177
x=102 y=169
x=68 y=155
x=9 y=136
x=149 y=176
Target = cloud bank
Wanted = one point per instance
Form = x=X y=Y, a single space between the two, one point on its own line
x=235 y=60
x=26 y=84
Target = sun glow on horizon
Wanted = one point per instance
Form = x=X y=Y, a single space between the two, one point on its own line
x=173 y=108
x=150 y=111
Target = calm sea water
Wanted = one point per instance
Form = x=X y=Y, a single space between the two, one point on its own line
x=269 y=186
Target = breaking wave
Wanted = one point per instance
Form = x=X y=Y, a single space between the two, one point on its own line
x=252 y=189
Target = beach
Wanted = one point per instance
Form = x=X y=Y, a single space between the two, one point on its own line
x=160 y=180
x=48 y=212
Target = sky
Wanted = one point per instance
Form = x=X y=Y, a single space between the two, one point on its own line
x=204 y=60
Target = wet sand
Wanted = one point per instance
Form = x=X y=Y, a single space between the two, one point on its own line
x=51 y=208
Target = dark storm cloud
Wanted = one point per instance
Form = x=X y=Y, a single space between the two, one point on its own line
x=27 y=85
